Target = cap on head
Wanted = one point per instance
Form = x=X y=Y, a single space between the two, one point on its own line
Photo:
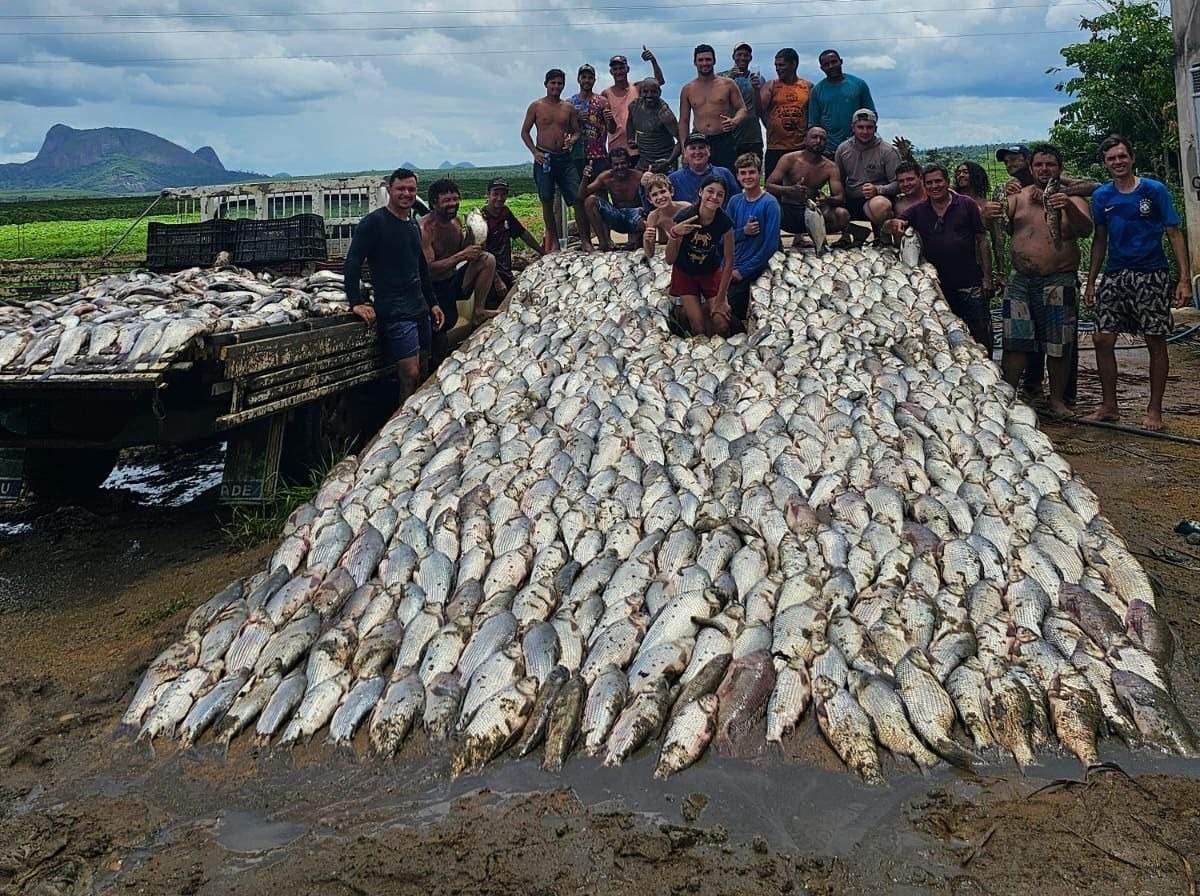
x=586 y=67
x=744 y=46
x=1019 y=149
x=865 y=115
x=497 y=183
x=618 y=60
x=695 y=137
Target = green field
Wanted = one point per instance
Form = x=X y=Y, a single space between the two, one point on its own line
x=84 y=238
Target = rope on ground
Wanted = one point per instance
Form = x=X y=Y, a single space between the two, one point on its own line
x=1133 y=430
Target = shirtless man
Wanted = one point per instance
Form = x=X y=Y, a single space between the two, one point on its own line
x=456 y=268
x=622 y=209
x=799 y=176
x=717 y=105
x=912 y=187
x=1041 y=302
x=557 y=125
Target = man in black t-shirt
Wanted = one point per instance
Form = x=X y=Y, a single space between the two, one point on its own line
x=503 y=226
x=403 y=305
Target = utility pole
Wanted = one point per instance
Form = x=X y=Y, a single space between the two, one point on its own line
x=1185 y=28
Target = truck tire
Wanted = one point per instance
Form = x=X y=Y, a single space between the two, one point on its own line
x=57 y=475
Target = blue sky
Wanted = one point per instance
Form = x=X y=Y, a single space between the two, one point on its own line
x=425 y=85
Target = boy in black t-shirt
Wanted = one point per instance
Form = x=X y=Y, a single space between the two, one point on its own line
x=700 y=252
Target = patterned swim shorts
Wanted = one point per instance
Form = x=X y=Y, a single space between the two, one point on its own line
x=1135 y=302
x=1041 y=314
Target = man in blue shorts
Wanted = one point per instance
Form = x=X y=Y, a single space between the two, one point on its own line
x=1131 y=213
x=558 y=128
x=613 y=202
x=403 y=306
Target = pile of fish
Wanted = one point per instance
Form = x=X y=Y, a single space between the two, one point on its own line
x=140 y=320
x=584 y=531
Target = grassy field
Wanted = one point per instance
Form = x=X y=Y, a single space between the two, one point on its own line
x=88 y=238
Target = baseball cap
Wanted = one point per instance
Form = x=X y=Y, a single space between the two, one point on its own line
x=1017 y=148
x=867 y=114
x=744 y=46
x=696 y=137
x=614 y=60
x=497 y=183
x=587 y=67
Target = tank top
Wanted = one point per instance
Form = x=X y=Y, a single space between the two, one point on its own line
x=654 y=139
x=787 y=119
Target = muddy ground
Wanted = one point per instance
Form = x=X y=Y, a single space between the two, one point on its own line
x=88 y=596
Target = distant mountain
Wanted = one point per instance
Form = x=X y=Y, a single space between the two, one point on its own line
x=447 y=166
x=115 y=160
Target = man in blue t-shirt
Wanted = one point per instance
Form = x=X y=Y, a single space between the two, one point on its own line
x=1131 y=213
x=835 y=99
x=685 y=183
x=756 y=223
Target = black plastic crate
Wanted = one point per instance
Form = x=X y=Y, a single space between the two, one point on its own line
x=298 y=238
x=171 y=246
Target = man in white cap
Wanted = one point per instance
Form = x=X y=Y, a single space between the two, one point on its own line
x=868 y=168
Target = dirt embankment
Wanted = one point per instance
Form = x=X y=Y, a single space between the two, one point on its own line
x=88 y=597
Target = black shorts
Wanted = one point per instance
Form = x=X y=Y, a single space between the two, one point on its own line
x=792 y=219
x=755 y=148
x=974 y=311
x=447 y=293
x=598 y=165
x=739 y=296
x=722 y=150
x=857 y=206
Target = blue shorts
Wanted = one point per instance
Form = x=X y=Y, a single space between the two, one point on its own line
x=406 y=338
x=622 y=220
x=558 y=171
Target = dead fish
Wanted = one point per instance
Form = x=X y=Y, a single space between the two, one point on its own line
x=563 y=727
x=692 y=727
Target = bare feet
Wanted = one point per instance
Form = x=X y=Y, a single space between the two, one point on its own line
x=1153 y=421
x=1103 y=415
x=1058 y=408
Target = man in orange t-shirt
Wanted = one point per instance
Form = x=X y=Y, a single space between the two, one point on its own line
x=783 y=106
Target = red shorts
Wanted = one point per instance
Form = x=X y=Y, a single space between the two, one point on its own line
x=685 y=284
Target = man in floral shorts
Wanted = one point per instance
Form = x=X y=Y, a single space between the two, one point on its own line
x=1131 y=214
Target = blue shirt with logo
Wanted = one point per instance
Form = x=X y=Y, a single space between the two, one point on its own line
x=1135 y=221
x=685 y=183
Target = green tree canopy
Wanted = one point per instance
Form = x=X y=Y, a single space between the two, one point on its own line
x=1125 y=85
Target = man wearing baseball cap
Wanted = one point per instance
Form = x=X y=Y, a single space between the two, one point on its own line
x=697 y=165
x=502 y=227
x=622 y=93
x=868 y=168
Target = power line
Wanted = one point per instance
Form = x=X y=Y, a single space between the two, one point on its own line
x=620 y=7
x=521 y=25
x=556 y=51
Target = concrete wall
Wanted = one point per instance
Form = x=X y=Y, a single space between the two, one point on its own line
x=1186 y=27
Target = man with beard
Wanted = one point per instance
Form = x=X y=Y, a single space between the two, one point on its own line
x=622 y=94
x=613 y=202
x=1041 y=301
x=783 y=105
x=836 y=98
x=748 y=136
x=955 y=243
x=1132 y=213
x=718 y=108
x=403 y=305
x=799 y=176
x=557 y=130
x=503 y=226
x=685 y=183
x=652 y=130
x=1015 y=158
x=868 y=169
x=458 y=270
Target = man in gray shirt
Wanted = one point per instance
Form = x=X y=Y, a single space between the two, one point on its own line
x=748 y=134
x=868 y=169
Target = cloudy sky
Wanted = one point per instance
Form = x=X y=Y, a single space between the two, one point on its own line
x=348 y=86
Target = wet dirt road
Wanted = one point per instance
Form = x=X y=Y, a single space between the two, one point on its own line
x=88 y=597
